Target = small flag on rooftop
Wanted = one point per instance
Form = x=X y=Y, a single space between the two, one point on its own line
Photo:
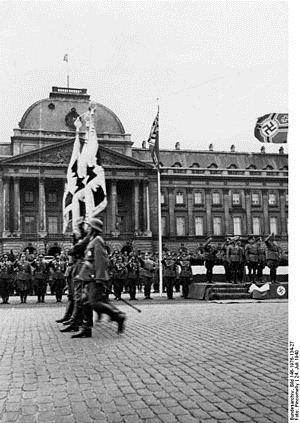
x=153 y=140
x=272 y=128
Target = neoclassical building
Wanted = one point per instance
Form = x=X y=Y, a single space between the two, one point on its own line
x=202 y=192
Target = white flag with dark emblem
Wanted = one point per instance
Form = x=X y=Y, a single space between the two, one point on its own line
x=153 y=140
x=95 y=188
x=78 y=203
x=71 y=178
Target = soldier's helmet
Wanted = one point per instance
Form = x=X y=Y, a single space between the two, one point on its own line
x=95 y=223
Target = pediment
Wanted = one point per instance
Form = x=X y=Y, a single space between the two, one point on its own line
x=60 y=154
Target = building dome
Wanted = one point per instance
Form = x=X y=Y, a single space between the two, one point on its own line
x=58 y=112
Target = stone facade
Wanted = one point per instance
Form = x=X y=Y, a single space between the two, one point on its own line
x=202 y=192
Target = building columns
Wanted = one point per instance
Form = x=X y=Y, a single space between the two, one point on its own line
x=226 y=212
x=283 y=213
x=148 y=228
x=136 y=206
x=266 y=213
x=171 y=211
x=248 y=212
x=6 y=209
x=114 y=208
x=191 y=230
x=42 y=209
x=17 y=209
x=208 y=212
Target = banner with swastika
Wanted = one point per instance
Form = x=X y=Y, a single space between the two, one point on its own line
x=272 y=128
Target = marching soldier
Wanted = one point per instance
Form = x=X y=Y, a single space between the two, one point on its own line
x=235 y=258
x=273 y=255
x=73 y=314
x=251 y=254
x=169 y=273
x=6 y=271
x=94 y=274
x=23 y=276
x=210 y=259
x=40 y=270
x=185 y=274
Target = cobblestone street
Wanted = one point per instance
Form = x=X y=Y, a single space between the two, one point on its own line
x=176 y=362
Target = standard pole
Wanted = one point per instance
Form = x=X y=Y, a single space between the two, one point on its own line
x=159 y=235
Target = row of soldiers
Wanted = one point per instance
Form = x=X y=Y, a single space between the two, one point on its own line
x=130 y=271
x=28 y=275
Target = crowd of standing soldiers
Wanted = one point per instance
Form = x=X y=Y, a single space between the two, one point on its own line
x=136 y=271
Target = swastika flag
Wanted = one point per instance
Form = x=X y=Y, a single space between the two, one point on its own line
x=272 y=128
x=153 y=140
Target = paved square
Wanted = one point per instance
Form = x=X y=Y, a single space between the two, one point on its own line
x=177 y=362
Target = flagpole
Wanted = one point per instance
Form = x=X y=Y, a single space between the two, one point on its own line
x=68 y=74
x=159 y=234
x=159 y=218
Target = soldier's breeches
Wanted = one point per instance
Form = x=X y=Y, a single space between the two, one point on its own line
x=95 y=292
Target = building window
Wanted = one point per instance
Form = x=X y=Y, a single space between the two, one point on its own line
x=180 y=226
x=52 y=224
x=256 y=225
x=236 y=200
x=199 y=226
x=163 y=226
x=198 y=198
x=52 y=197
x=255 y=199
x=273 y=225
x=162 y=198
x=29 y=224
x=217 y=226
x=216 y=198
x=272 y=199
x=28 y=196
x=237 y=225
x=179 y=198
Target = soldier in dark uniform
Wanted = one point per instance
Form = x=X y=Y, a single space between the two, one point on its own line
x=58 y=268
x=74 y=306
x=6 y=270
x=273 y=255
x=210 y=259
x=147 y=269
x=40 y=271
x=185 y=273
x=120 y=276
x=94 y=274
x=132 y=275
x=224 y=258
x=177 y=272
x=251 y=254
x=23 y=275
x=235 y=258
x=261 y=259
x=241 y=270
x=169 y=273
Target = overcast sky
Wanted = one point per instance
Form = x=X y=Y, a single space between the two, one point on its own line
x=215 y=66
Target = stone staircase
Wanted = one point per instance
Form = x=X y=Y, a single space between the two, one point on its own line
x=228 y=291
